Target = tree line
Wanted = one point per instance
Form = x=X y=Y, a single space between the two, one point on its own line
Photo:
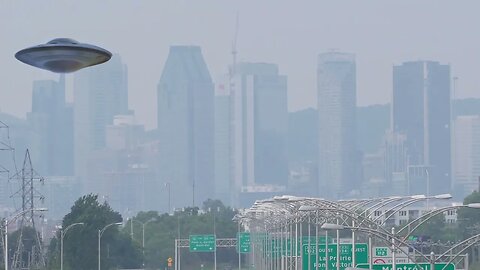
x=122 y=246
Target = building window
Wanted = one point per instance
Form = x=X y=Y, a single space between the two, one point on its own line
x=402 y=213
x=377 y=213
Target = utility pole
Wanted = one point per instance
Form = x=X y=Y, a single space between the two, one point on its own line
x=168 y=186
x=30 y=196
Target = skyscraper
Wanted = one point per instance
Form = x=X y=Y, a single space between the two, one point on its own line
x=100 y=93
x=223 y=183
x=51 y=120
x=396 y=164
x=259 y=118
x=186 y=126
x=467 y=154
x=338 y=162
x=421 y=111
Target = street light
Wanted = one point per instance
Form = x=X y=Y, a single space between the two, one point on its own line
x=331 y=226
x=168 y=186
x=238 y=218
x=100 y=233
x=62 y=235
x=7 y=221
x=309 y=208
x=337 y=227
x=395 y=209
x=143 y=234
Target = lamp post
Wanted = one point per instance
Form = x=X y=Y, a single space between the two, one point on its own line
x=311 y=208
x=327 y=227
x=168 y=187
x=428 y=186
x=8 y=221
x=143 y=224
x=62 y=235
x=100 y=233
x=394 y=259
x=238 y=219
x=395 y=209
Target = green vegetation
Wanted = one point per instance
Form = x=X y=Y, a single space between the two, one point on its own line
x=122 y=248
x=81 y=242
x=161 y=231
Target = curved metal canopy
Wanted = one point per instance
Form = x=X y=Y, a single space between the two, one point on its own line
x=63 y=55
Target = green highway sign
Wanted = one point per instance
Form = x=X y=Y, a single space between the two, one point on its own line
x=310 y=253
x=412 y=238
x=243 y=242
x=381 y=252
x=284 y=246
x=408 y=266
x=202 y=243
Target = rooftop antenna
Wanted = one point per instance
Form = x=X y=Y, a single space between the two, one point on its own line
x=234 y=48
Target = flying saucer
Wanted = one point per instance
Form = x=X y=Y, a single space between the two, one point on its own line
x=63 y=55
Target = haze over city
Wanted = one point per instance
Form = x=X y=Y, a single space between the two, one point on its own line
x=156 y=132
x=287 y=33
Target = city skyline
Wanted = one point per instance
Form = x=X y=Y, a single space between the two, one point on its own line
x=125 y=139
x=258 y=83
x=444 y=38
x=234 y=145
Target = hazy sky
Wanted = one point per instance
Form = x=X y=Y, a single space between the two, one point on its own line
x=290 y=33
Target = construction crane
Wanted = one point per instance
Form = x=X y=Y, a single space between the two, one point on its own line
x=234 y=49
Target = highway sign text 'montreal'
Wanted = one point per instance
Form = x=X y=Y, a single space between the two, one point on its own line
x=202 y=243
x=408 y=266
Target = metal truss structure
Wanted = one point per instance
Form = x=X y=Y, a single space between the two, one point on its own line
x=33 y=256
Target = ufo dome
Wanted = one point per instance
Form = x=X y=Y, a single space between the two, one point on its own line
x=63 y=55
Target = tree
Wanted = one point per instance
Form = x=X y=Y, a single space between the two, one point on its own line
x=53 y=254
x=161 y=232
x=80 y=243
x=437 y=229
x=29 y=236
x=469 y=218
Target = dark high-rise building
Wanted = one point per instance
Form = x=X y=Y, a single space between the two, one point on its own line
x=51 y=120
x=421 y=111
x=259 y=125
x=258 y=131
x=186 y=126
x=338 y=156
